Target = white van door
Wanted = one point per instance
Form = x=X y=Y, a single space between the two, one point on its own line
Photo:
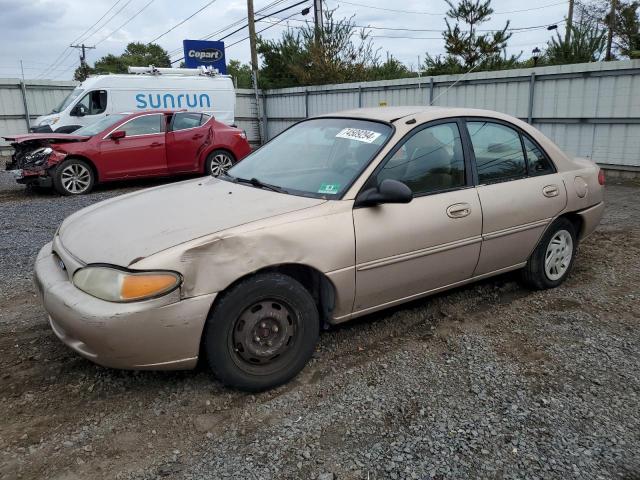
x=90 y=108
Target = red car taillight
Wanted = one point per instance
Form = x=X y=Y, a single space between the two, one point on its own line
x=601 y=177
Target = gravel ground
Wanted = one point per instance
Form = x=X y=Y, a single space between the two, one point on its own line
x=486 y=381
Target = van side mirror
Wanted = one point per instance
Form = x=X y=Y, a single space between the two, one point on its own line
x=389 y=191
x=118 y=134
x=78 y=111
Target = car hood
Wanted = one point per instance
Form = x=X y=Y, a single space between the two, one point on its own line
x=125 y=229
x=46 y=137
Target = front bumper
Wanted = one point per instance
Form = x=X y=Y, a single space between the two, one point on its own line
x=42 y=129
x=41 y=179
x=157 y=334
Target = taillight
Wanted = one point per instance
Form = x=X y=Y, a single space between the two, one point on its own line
x=601 y=177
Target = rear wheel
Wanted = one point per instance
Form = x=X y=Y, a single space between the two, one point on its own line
x=553 y=258
x=73 y=177
x=218 y=162
x=262 y=332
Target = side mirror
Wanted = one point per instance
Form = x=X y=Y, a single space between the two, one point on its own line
x=118 y=134
x=389 y=191
x=78 y=111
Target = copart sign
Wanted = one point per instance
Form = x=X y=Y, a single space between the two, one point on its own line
x=200 y=52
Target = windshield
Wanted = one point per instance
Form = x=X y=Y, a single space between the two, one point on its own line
x=100 y=125
x=319 y=157
x=68 y=100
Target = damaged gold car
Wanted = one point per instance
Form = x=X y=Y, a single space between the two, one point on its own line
x=336 y=217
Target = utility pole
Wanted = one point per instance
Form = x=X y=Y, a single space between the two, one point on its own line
x=254 y=64
x=83 y=56
x=317 y=16
x=567 y=33
x=612 y=23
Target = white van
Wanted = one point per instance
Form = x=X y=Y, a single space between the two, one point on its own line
x=198 y=90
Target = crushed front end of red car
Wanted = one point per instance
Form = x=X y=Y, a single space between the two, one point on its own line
x=35 y=155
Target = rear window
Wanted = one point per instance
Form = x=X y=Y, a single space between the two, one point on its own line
x=183 y=121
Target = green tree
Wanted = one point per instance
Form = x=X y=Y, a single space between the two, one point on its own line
x=335 y=53
x=135 y=55
x=627 y=33
x=586 y=44
x=241 y=73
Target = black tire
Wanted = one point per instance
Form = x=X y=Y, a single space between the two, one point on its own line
x=534 y=274
x=64 y=183
x=218 y=162
x=235 y=318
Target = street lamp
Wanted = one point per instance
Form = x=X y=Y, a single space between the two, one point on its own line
x=535 y=53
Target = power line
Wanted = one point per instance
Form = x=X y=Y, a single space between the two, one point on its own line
x=68 y=50
x=414 y=12
x=84 y=39
x=231 y=25
x=266 y=28
x=514 y=29
x=183 y=21
x=125 y=23
x=257 y=20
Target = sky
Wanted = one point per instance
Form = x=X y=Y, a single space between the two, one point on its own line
x=38 y=32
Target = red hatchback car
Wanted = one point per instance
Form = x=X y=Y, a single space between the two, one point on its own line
x=125 y=146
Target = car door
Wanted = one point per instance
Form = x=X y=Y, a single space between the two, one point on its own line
x=405 y=250
x=90 y=107
x=187 y=136
x=519 y=190
x=141 y=152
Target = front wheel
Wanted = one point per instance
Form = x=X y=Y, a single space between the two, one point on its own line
x=262 y=332
x=218 y=162
x=553 y=258
x=73 y=177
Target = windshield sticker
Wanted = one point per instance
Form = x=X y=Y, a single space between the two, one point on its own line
x=329 y=188
x=366 y=136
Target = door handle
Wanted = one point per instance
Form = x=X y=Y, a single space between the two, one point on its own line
x=550 y=191
x=156 y=144
x=197 y=136
x=458 y=210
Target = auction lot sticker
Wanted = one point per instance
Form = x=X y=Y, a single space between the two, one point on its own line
x=366 y=136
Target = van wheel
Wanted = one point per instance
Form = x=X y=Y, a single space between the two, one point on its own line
x=262 y=332
x=553 y=258
x=73 y=177
x=218 y=162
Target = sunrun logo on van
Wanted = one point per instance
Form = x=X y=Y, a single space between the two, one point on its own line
x=169 y=100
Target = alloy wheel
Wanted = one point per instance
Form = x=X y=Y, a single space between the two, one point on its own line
x=558 y=255
x=76 y=178
x=220 y=163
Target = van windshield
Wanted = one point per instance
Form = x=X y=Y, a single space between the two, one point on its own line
x=68 y=100
x=316 y=158
x=100 y=125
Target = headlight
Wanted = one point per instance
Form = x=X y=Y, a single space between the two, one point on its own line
x=38 y=157
x=49 y=121
x=116 y=285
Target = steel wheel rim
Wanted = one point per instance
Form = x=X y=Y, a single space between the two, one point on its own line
x=264 y=332
x=558 y=256
x=75 y=178
x=220 y=163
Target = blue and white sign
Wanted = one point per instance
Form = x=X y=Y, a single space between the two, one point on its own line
x=204 y=52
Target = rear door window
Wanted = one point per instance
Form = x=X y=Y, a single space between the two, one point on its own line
x=498 y=151
x=185 y=120
x=537 y=162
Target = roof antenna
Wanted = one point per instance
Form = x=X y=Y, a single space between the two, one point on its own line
x=456 y=82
